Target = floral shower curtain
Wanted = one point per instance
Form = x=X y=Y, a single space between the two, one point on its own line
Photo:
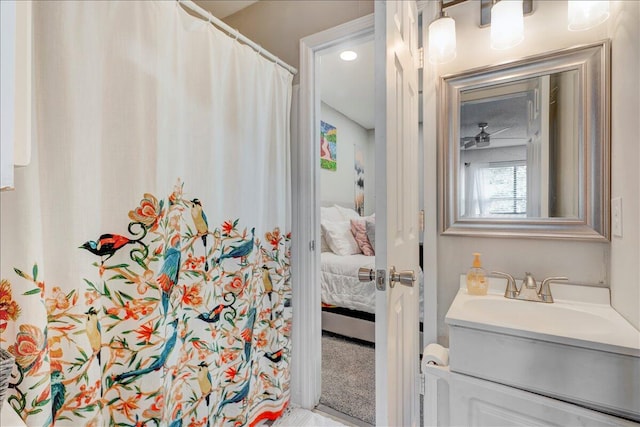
x=145 y=253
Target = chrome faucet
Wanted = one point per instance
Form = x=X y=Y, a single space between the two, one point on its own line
x=529 y=289
x=512 y=289
x=545 y=291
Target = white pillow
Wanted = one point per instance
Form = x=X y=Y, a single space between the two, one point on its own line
x=347 y=213
x=328 y=214
x=331 y=214
x=324 y=246
x=339 y=238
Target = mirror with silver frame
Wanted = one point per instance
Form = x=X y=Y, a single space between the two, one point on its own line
x=524 y=147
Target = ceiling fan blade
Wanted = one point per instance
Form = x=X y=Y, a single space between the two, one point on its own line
x=499 y=131
x=467 y=143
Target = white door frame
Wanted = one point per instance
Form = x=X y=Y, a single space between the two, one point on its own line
x=429 y=11
x=306 y=361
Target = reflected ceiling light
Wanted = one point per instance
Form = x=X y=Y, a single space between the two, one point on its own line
x=507 y=24
x=584 y=15
x=442 y=39
x=348 y=55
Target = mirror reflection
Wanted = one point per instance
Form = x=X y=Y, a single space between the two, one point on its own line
x=519 y=149
x=525 y=147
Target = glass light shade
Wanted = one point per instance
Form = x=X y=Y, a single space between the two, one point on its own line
x=442 y=40
x=507 y=24
x=587 y=14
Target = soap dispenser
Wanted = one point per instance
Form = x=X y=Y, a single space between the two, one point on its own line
x=477 y=277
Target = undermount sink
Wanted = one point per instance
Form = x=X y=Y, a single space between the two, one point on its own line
x=577 y=349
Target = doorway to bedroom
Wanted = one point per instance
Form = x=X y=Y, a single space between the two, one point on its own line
x=313 y=319
x=346 y=171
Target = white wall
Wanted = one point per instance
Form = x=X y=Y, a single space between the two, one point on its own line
x=278 y=25
x=615 y=264
x=339 y=185
x=624 y=29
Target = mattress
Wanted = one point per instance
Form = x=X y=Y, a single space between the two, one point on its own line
x=340 y=285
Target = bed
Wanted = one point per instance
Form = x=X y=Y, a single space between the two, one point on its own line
x=340 y=285
x=348 y=305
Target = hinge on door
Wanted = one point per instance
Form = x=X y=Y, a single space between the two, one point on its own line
x=420 y=58
x=421 y=220
x=312 y=245
x=421 y=384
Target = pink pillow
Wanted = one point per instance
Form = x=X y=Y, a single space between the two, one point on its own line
x=359 y=231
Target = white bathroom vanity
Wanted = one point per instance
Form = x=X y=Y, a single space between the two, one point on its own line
x=575 y=361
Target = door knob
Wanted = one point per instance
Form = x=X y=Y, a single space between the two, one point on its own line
x=405 y=277
x=366 y=274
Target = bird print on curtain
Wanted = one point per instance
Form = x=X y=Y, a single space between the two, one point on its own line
x=187 y=327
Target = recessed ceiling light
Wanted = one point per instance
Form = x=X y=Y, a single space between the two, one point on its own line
x=348 y=55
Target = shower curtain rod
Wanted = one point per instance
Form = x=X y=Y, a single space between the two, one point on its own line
x=236 y=34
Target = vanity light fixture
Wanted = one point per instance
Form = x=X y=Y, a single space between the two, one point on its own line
x=507 y=17
x=507 y=24
x=348 y=55
x=442 y=39
x=507 y=29
x=584 y=15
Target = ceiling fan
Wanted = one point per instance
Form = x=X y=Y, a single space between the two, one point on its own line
x=482 y=139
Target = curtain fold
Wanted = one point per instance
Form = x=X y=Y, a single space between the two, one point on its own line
x=476 y=194
x=145 y=254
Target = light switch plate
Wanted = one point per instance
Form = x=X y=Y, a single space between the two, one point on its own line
x=616 y=216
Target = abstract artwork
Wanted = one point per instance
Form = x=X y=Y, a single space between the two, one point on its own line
x=328 y=158
x=359 y=180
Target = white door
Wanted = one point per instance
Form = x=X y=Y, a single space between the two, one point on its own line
x=396 y=137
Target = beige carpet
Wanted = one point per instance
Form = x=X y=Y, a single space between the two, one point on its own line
x=348 y=377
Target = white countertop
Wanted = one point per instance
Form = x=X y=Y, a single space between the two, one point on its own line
x=580 y=316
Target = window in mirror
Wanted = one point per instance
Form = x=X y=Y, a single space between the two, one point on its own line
x=494 y=190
